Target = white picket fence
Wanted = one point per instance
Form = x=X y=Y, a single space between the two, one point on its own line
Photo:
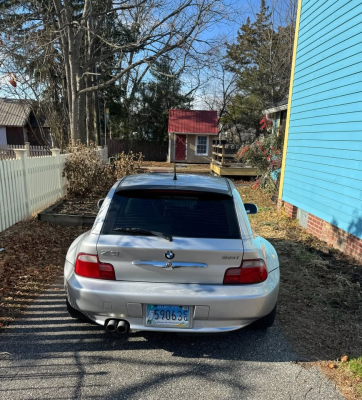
x=30 y=184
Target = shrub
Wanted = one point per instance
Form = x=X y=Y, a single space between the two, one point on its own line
x=127 y=164
x=83 y=169
x=88 y=176
x=265 y=155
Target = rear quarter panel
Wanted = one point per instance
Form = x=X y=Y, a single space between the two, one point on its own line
x=254 y=246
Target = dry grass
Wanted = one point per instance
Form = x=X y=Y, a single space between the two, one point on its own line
x=320 y=303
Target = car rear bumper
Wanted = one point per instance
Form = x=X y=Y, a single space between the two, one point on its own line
x=215 y=308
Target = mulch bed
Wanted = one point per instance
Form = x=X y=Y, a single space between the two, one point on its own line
x=76 y=206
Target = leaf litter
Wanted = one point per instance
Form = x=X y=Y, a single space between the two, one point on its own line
x=33 y=257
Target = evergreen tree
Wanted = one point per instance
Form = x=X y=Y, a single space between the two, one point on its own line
x=261 y=59
x=155 y=98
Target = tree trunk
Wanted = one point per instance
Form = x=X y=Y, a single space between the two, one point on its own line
x=89 y=116
x=74 y=117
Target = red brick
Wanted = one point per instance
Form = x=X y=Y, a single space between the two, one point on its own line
x=334 y=236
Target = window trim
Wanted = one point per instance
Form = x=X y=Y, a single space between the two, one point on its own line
x=207 y=145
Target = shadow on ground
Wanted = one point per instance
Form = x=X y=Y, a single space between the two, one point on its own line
x=45 y=354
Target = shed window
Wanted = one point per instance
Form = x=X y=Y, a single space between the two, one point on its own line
x=201 y=145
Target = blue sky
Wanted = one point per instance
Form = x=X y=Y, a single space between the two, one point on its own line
x=241 y=9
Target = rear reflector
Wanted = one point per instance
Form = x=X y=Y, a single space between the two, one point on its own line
x=89 y=266
x=250 y=271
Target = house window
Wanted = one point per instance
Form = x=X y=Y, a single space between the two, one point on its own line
x=202 y=145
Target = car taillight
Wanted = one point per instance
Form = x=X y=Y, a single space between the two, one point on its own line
x=250 y=271
x=89 y=266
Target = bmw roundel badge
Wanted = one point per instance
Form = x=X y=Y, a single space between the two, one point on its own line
x=169 y=255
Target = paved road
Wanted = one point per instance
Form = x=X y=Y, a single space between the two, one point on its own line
x=54 y=357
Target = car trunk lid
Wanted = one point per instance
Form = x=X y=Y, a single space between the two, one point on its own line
x=184 y=260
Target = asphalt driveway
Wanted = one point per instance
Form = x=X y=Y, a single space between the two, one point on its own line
x=47 y=355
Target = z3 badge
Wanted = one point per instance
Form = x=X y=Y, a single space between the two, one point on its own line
x=109 y=253
x=230 y=257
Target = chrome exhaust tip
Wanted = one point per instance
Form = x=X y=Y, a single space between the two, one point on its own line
x=111 y=325
x=122 y=327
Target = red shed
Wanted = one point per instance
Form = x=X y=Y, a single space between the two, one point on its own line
x=190 y=134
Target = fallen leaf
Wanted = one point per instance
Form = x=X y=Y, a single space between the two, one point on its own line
x=344 y=358
x=332 y=365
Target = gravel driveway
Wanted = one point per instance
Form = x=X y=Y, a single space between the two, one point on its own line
x=47 y=355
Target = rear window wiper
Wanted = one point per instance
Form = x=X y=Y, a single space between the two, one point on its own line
x=140 y=230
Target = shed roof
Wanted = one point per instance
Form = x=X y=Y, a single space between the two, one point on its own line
x=193 y=121
x=14 y=112
x=280 y=106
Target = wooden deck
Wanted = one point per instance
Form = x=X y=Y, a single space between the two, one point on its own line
x=232 y=170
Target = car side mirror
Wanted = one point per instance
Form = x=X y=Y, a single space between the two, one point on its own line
x=100 y=202
x=251 y=208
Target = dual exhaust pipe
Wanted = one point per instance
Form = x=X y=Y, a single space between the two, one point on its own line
x=120 y=326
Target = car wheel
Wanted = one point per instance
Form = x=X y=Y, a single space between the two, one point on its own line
x=265 y=322
x=76 y=314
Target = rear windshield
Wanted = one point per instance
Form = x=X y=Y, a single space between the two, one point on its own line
x=191 y=214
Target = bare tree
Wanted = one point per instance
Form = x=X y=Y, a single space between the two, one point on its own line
x=81 y=37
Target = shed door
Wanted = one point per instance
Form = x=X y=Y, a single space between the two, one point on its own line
x=180 y=151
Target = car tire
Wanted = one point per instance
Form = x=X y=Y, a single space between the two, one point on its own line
x=76 y=314
x=265 y=322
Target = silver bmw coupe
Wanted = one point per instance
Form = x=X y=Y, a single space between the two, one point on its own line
x=172 y=255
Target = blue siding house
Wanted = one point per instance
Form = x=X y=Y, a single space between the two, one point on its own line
x=321 y=179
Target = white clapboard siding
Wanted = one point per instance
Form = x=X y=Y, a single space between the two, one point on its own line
x=30 y=184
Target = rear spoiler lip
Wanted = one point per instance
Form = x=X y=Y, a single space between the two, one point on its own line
x=172 y=188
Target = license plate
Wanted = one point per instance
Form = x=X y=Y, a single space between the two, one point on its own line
x=168 y=316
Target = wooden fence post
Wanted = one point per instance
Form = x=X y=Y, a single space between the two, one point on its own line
x=23 y=154
x=56 y=153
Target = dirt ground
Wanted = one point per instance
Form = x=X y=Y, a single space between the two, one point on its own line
x=320 y=303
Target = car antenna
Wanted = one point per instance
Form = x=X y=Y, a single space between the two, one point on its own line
x=174 y=171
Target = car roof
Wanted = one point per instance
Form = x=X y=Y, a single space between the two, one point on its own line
x=200 y=183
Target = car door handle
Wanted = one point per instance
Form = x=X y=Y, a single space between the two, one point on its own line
x=168 y=264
